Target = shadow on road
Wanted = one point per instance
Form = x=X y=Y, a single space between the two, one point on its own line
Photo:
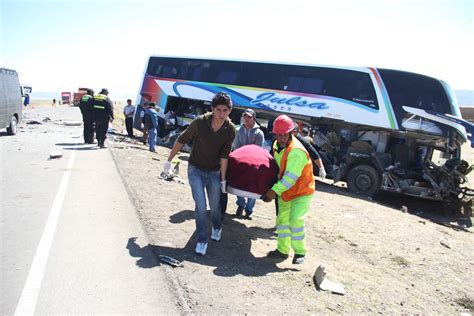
x=236 y=244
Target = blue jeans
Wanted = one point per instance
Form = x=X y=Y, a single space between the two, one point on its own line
x=152 y=138
x=248 y=206
x=211 y=181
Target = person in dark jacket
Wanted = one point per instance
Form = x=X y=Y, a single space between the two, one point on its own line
x=151 y=125
x=86 y=109
x=313 y=153
x=103 y=112
x=27 y=99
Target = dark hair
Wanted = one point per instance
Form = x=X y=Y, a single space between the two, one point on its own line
x=221 y=98
x=129 y=100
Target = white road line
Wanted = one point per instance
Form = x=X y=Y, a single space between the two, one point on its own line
x=29 y=296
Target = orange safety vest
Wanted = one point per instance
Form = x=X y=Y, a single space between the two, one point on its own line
x=305 y=183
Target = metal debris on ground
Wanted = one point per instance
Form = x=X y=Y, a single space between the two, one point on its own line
x=55 y=155
x=124 y=139
x=322 y=283
x=156 y=158
x=46 y=119
x=171 y=177
x=171 y=261
x=445 y=242
x=73 y=123
x=31 y=122
x=172 y=174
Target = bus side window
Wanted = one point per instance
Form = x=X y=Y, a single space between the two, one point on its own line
x=169 y=72
x=312 y=85
x=295 y=83
x=229 y=77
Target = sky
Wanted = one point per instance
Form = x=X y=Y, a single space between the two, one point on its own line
x=61 y=45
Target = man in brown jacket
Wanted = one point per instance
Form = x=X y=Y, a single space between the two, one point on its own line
x=212 y=135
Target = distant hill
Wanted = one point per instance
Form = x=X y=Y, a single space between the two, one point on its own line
x=57 y=96
x=465 y=97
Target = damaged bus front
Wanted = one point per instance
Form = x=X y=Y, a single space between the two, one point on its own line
x=419 y=156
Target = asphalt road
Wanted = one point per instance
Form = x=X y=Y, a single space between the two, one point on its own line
x=65 y=227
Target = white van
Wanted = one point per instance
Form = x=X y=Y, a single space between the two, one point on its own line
x=10 y=100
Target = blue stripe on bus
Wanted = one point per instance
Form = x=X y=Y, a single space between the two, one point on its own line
x=246 y=101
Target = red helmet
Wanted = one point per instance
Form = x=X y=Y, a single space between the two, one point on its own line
x=282 y=125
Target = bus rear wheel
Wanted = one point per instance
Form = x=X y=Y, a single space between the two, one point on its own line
x=364 y=180
x=12 y=128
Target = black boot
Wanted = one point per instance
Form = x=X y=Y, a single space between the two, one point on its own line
x=275 y=254
x=240 y=211
x=298 y=259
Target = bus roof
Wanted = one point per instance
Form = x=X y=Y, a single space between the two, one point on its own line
x=287 y=63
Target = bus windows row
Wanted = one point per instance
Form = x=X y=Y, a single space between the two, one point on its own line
x=339 y=83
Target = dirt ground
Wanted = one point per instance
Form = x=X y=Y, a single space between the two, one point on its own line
x=388 y=260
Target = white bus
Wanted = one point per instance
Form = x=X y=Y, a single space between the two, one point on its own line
x=376 y=129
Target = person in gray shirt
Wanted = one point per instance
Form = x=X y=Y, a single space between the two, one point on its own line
x=248 y=133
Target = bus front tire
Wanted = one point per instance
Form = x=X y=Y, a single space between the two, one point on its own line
x=364 y=180
x=12 y=128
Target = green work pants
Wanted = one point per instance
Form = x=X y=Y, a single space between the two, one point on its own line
x=290 y=224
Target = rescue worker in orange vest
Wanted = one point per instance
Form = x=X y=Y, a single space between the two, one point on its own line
x=294 y=189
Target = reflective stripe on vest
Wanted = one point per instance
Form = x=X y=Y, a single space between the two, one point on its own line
x=304 y=185
x=85 y=98
x=99 y=100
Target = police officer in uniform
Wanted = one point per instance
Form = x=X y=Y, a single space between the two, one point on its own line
x=86 y=109
x=103 y=112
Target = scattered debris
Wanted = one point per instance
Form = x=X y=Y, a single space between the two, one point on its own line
x=172 y=173
x=445 y=242
x=73 y=123
x=466 y=302
x=171 y=177
x=401 y=261
x=322 y=283
x=55 y=155
x=46 y=119
x=171 y=261
x=155 y=158
x=404 y=209
x=31 y=122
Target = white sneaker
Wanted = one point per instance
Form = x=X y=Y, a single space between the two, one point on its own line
x=216 y=234
x=201 y=248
